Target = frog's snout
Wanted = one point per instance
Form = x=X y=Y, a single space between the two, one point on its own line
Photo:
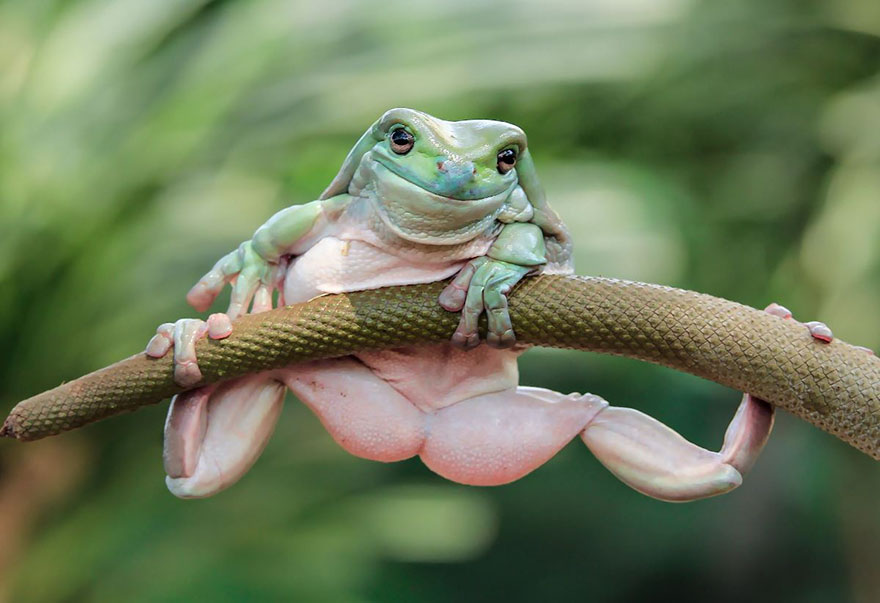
x=454 y=176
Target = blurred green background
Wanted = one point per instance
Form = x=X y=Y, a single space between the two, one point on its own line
x=728 y=147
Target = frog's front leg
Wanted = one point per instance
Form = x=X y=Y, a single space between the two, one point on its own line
x=259 y=265
x=484 y=282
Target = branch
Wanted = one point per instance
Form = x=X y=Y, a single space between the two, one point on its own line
x=834 y=386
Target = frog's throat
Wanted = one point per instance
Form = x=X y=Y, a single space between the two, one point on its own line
x=420 y=216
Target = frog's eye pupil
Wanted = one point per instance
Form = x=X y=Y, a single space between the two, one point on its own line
x=506 y=160
x=402 y=141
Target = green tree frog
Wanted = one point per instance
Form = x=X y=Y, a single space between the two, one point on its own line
x=419 y=199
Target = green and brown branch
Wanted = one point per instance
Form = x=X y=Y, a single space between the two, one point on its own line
x=833 y=386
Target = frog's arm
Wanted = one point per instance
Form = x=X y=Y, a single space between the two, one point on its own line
x=558 y=241
x=257 y=266
x=484 y=282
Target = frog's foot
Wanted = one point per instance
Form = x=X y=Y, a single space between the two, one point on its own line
x=819 y=330
x=252 y=277
x=182 y=336
x=657 y=461
x=214 y=434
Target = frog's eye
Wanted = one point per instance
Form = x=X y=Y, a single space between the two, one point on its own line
x=506 y=160
x=401 y=141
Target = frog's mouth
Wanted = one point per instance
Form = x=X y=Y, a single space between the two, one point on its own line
x=420 y=215
x=469 y=194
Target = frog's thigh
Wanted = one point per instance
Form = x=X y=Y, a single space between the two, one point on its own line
x=497 y=438
x=363 y=413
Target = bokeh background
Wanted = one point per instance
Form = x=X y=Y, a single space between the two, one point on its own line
x=728 y=147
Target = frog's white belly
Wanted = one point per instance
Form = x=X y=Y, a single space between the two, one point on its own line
x=333 y=265
x=430 y=377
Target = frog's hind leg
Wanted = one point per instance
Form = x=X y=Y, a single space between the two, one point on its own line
x=496 y=438
x=214 y=434
x=362 y=412
x=488 y=439
x=655 y=460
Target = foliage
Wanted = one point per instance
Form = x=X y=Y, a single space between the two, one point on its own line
x=725 y=147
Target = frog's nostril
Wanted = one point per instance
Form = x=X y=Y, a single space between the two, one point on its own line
x=454 y=176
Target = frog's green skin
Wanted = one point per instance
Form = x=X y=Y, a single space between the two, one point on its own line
x=445 y=202
x=435 y=200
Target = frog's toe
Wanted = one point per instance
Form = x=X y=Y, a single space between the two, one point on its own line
x=819 y=330
x=464 y=339
x=219 y=326
x=500 y=330
x=454 y=295
x=162 y=341
x=503 y=340
x=777 y=310
x=187 y=331
x=182 y=336
x=214 y=434
x=204 y=292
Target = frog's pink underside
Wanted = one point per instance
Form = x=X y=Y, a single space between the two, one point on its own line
x=460 y=411
x=440 y=205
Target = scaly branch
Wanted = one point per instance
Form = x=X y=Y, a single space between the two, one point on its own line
x=834 y=386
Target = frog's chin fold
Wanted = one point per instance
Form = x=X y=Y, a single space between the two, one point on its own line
x=421 y=216
x=214 y=434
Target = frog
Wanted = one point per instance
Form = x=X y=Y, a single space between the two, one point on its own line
x=419 y=199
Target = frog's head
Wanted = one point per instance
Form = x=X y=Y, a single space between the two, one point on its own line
x=434 y=180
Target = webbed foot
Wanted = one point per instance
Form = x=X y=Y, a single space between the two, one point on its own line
x=656 y=460
x=213 y=434
x=182 y=336
x=819 y=330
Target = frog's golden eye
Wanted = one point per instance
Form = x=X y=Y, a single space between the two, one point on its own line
x=506 y=160
x=402 y=141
